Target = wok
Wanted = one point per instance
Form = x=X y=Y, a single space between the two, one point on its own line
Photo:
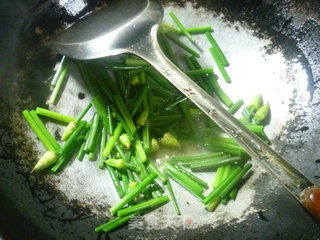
x=274 y=47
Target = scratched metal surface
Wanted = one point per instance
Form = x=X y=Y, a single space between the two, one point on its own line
x=280 y=60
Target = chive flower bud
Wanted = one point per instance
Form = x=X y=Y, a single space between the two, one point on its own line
x=261 y=114
x=69 y=130
x=169 y=140
x=46 y=160
x=125 y=140
x=154 y=145
x=141 y=121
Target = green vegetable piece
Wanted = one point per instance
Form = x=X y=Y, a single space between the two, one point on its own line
x=136 y=62
x=181 y=27
x=261 y=114
x=146 y=138
x=125 y=140
x=200 y=72
x=184 y=180
x=213 y=204
x=217 y=49
x=218 y=177
x=120 y=164
x=154 y=145
x=171 y=195
x=112 y=141
x=125 y=114
x=115 y=181
x=220 y=65
x=209 y=165
x=236 y=106
x=137 y=209
x=45 y=141
x=153 y=168
x=193 y=177
x=69 y=130
x=140 y=151
x=132 y=185
x=58 y=72
x=54 y=115
x=216 y=192
x=196 y=30
x=44 y=130
x=202 y=157
x=234 y=181
x=113 y=224
x=169 y=140
x=256 y=102
x=94 y=134
x=58 y=85
x=166 y=28
x=133 y=193
x=135 y=80
x=83 y=145
x=46 y=160
x=182 y=45
x=220 y=93
x=141 y=121
x=103 y=141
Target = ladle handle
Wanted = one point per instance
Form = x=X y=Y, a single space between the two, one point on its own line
x=295 y=182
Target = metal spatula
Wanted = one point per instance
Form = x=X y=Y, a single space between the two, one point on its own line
x=131 y=27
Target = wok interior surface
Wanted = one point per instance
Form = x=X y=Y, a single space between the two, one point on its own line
x=30 y=209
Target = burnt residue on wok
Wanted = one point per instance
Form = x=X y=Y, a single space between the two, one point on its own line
x=30 y=212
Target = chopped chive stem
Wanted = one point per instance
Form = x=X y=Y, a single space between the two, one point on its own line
x=143 y=206
x=125 y=114
x=175 y=103
x=64 y=159
x=220 y=93
x=171 y=195
x=195 y=30
x=83 y=113
x=142 y=119
x=227 y=171
x=44 y=130
x=103 y=141
x=58 y=72
x=83 y=145
x=183 y=159
x=58 y=85
x=227 y=145
x=91 y=155
x=153 y=168
x=122 y=121
x=120 y=164
x=213 y=204
x=115 y=181
x=45 y=141
x=216 y=192
x=163 y=40
x=183 y=45
x=181 y=27
x=220 y=66
x=125 y=182
x=109 y=116
x=123 y=67
x=69 y=143
x=226 y=150
x=209 y=165
x=133 y=193
x=113 y=224
x=234 y=180
x=141 y=167
x=139 y=100
x=183 y=180
x=136 y=62
x=234 y=192
x=146 y=137
x=94 y=134
x=54 y=115
x=159 y=89
x=203 y=71
x=258 y=129
x=216 y=47
x=122 y=154
x=161 y=80
x=193 y=177
x=102 y=111
x=189 y=118
x=236 y=106
x=111 y=142
x=218 y=177
x=139 y=151
x=139 y=70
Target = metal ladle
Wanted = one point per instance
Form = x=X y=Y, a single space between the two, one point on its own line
x=131 y=27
